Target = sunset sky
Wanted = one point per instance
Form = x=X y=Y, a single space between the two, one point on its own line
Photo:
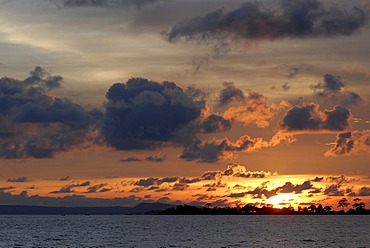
x=117 y=102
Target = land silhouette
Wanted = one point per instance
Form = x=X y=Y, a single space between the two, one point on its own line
x=357 y=208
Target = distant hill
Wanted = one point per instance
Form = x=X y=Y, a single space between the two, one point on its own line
x=142 y=208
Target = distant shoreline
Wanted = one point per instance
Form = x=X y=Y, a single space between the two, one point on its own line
x=250 y=209
x=167 y=209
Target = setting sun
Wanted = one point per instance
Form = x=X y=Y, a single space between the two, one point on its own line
x=281 y=200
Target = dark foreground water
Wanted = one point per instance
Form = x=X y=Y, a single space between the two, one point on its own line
x=184 y=231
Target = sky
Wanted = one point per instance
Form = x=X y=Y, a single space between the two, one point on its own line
x=228 y=102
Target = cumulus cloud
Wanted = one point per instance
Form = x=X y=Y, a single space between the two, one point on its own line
x=309 y=118
x=18 y=180
x=35 y=124
x=350 y=143
x=332 y=88
x=254 y=109
x=230 y=94
x=251 y=21
x=216 y=149
x=142 y=114
x=250 y=108
x=215 y=123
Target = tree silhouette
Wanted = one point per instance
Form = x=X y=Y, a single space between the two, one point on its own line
x=312 y=208
x=358 y=206
x=328 y=209
x=343 y=203
x=209 y=205
x=319 y=209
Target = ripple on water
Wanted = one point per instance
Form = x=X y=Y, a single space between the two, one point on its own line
x=184 y=231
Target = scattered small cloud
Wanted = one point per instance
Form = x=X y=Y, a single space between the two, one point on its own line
x=350 y=143
x=156 y=158
x=69 y=188
x=18 y=180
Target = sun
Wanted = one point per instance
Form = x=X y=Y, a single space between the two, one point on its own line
x=277 y=200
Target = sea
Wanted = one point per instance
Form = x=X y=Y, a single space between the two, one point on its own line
x=184 y=231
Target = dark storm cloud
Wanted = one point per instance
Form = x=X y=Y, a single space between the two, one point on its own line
x=57 y=110
x=18 y=180
x=34 y=124
x=80 y=3
x=142 y=114
x=350 y=143
x=308 y=117
x=294 y=19
x=216 y=149
x=106 y=3
x=332 y=88
x=39 y=81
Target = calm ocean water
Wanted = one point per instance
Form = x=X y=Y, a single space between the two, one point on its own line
x=184 y=231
